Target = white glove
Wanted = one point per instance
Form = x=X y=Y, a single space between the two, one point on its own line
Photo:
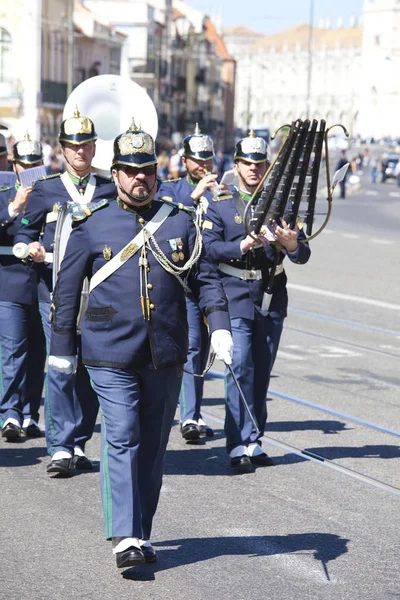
x=63 y=364
x=222 y=344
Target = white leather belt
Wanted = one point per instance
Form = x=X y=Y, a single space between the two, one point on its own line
x=246 y=274
x=6 y=250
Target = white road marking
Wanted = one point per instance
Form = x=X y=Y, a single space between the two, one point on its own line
x=331 y=294
x=350 y=236
x=336 y=352
x=371 y=193
x=283 y=354
x=383 y=242
x=394 y=194
x=329 y=231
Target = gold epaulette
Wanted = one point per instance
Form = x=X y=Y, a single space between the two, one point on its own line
x=168 y=200
x=86 y=210
x=49 y=176
x=222 y=197
x=171 y=180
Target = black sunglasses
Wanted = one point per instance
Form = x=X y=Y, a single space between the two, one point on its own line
x=148 y=170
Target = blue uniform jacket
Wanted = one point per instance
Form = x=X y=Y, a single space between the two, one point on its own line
x=46 y=195
x=114 y=332
x=180 y=190
x=18 y=280
x=222 y=236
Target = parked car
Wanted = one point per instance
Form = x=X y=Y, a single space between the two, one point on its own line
x=389 y=164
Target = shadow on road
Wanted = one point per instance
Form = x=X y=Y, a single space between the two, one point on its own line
x=311 y=425
x=324 y=548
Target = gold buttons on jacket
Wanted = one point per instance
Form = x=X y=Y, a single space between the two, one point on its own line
x=141 y=220
x=152 y=307
x=149 y=286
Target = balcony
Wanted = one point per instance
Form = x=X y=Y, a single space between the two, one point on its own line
x=53 y=92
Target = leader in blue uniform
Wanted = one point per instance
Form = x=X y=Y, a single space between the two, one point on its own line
x=134 y=332
x=22 y=343
x=71 y=405
x=194 y=190
x=244 y=264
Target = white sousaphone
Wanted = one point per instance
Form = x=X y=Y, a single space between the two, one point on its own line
x=111 y=102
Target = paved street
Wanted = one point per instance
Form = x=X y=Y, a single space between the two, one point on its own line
x=323 y=524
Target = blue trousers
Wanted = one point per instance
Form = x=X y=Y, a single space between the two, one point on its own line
x=71 y=406
x=255 y=345
x=192 y=387
x=137 y=409
x=22 y=355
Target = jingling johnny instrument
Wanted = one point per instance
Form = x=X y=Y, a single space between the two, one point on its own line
x=289 y=187
x=111 y=102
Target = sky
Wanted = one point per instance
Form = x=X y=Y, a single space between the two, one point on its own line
x=271 y=16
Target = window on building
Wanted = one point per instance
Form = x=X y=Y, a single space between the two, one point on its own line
x=5 y=55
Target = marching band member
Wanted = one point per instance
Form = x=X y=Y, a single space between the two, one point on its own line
x=71 y=405
x=22 y=343
x=134 y=332
x=194 y=190
x=256 y=317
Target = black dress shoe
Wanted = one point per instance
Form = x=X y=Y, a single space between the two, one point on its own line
x=241 y=462
x=190 y=432
x=61 y=466
x=130 y=557
x=206 y=431
x=82 y=463
x=149 y=554
x=262 y=460
x=10 y=431
x=32 y=430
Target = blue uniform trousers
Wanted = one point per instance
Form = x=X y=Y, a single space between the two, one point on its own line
x=22 y=355
x=71 y=406
x=192 y=387
x=255 y=344
x=137 y=408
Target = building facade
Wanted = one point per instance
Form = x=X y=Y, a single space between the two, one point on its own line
x=345 y=75
x=47 y=47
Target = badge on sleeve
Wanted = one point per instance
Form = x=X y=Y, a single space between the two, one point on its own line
x=107 y=252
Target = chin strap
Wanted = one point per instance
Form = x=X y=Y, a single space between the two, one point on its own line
x=133 y=197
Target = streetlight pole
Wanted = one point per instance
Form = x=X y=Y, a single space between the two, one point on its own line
x=310 y=57
x=70 y=49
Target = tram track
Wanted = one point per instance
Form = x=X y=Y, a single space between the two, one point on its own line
x=340 y=340
x=318 y=459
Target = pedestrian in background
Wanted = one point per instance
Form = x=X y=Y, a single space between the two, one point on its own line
x=341 y=162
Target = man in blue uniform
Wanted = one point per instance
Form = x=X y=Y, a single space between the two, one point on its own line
x=71 y=405
x=194 y=190
x=22 y=343
x=256 y=317
x=134 y=332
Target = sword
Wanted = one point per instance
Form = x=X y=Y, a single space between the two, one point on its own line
x=242 y=398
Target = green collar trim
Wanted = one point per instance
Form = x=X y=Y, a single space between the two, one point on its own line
x=136 y=211
x=246 y=196
x=190 y=180
x=78 y=180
